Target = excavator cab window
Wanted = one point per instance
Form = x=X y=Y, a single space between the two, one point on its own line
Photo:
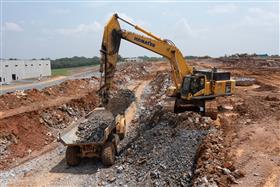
x=186 y=86
x=193 y=84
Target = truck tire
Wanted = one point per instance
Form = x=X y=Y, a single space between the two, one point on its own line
x=108 y=154
x=72 y=157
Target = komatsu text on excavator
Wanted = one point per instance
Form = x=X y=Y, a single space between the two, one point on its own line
x=192 y=88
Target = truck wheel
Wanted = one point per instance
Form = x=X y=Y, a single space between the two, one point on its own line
x=108 y=154
x=72 y=157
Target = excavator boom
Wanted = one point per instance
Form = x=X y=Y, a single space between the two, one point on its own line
x=192 y=87
x=110 y=47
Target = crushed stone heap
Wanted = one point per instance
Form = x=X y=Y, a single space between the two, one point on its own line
x=120 y=101
x=92 y=128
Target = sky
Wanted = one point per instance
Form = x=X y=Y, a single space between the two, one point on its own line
x=35 y=29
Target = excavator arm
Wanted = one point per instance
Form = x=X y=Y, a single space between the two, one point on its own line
x=110 y=47
x=192 y=87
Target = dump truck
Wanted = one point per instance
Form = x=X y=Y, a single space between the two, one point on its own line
x=106 y=148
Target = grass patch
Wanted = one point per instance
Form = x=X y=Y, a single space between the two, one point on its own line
x=61 y=72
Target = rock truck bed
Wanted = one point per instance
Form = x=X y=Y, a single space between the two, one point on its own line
x=98 y=134
x=90 y=130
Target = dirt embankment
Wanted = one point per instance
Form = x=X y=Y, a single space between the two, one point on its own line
x=68 y=89
x=25 y=133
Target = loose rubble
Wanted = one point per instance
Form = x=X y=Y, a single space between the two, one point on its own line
x=120 y=101
x=246 y=60
x=6 y=140
x=92 y=128
x=164 y=152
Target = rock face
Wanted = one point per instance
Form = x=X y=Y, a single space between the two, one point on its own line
x=120 y=101
x=92 y=129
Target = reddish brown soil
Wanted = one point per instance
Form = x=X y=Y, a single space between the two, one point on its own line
x=70 y=88
x=29 y=133
x=21 y=116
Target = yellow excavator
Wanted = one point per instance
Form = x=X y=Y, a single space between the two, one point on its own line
x=191 y=89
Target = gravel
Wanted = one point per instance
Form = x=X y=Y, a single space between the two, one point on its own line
x=92 y=129
x=120 y=101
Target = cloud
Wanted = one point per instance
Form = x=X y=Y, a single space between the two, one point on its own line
x=80 y=29
x=261 y=17
x=13 y=27
x=183 y=28
x=183 y=25
x=61 y=11
x=222 y=9
x=132 y=20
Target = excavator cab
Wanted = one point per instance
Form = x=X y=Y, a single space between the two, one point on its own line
x=192 y=84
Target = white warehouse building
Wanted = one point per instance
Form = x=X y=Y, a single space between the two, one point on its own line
x=133 y=59
x=23 y=69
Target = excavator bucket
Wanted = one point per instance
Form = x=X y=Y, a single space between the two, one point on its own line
x=109 y=55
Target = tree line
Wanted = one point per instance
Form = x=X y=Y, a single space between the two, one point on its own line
x=84 y=61
x=74 y=62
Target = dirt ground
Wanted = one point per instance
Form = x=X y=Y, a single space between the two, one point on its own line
x=250 y=126
x=241 y=148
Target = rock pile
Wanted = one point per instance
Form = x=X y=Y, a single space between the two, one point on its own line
x=5 y=140
x=212 y=168
x=251 y=61
x=164 y=153
x=120 y=101
x=61 y=116
x=154 y=93
x=92 y=128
